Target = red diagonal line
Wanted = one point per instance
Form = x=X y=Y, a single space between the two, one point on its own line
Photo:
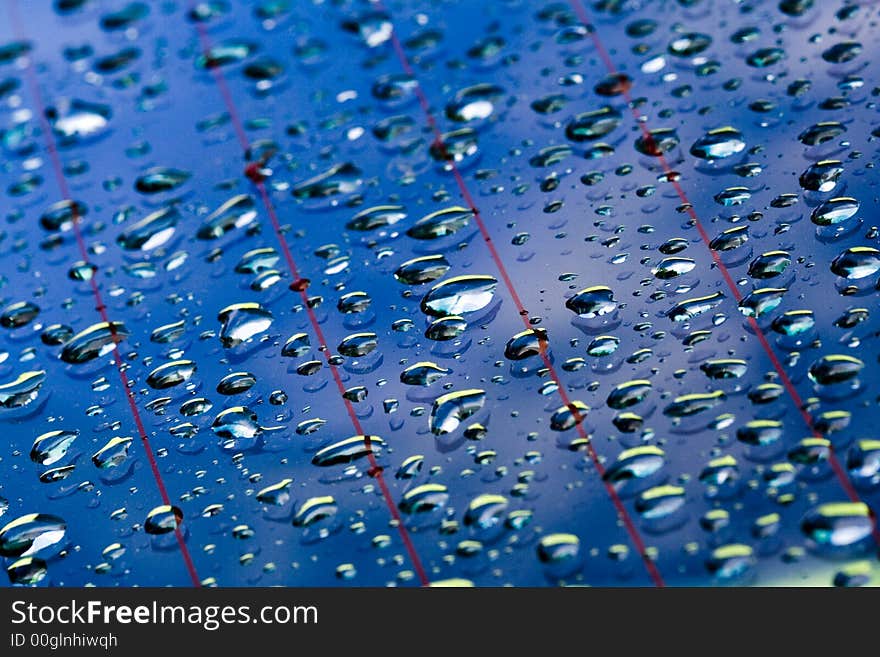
x=300 y=285
x=100 y=307
x=671 y=176
x=468 y=198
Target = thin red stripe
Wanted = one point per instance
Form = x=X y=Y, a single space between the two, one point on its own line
x=55 y=158
x=300 y=285
x=787 y=383
x=622 y=512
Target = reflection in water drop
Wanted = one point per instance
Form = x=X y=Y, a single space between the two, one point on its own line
x=348 y=450
x=458 y=295
x=451 y=409
x=34 y=534
x=163 y=520
x=52 y=446
x=242 y=321
x=838 y=525
x=94 y=342
x=22 y=390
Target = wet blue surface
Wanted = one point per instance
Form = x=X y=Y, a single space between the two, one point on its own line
x=322 y=113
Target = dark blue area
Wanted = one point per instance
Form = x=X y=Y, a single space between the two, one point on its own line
x=322 y=113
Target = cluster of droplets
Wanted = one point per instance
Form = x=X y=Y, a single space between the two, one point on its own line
x=679 y=401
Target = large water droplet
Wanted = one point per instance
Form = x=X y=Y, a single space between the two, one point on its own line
x=150 y=232
x=94 y=342
x=838 y=525
x=422 y=374
x=52 y=446
x=238 y=212
x=451 y=409
x=34 y=534
x=441 y=223
x=348 y=450
x=161 y=179
x=163 y=520
x=461 y=294
x=171 y=374
x=719 y=144
x=74 y=121
x=592 y=302
x=22 y=390
x=856 y=262
x=241 y=322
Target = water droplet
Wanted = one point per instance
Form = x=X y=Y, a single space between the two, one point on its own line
x=446 y=328
x=474 y=103
x=603 y=345
x=629 y=394
x=238 y=212
x=821 y=176
x=691 y=308
x=423 y=374
x=378 y=216
x=593 y=125
x=725 y=368
x=758 y=303
x=241 y=322
x=632 y=465
x=34 y=534
x=171 y=374
x=451 y=409
x=834 y=211
x=769 y=264
x=168 y=333
x=52 y=446
x=694 y=403
x=486 y=511
x=835 y=368
x=163 y=520
x=231 y=51
x=569 y=416
x=27 y=571
x=297 y=345
x=525 y=344
x=424 y=499
x=22 y=390
x=113 y=453
x=74 y=121
x=820 y=133
x=411 y=467
x=348 y=450
x=62 y=215
x=161 y=179
x=558 y=548
x=19 y=314
x=856 y=262
x=341 y=180
x=239 y=425
x=461 y=294
x=719 y=144
x=731 y=562
x=592 y=302
x=441 y=223
x=276 y=494
x=422 y=270
x=689 y=44
x=863 y=463
x=838 y=525
x=660 y=502
x=236 y=383
x=794 y=322
x=314 y=510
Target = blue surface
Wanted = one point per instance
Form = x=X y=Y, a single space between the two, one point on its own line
x=594 y=235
